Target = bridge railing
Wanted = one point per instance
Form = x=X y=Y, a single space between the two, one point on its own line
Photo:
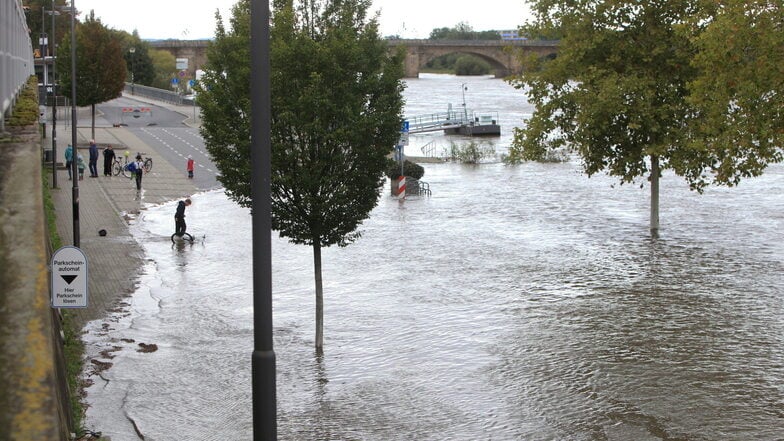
x=16 y=54
x=167 y=96
x=428 y=42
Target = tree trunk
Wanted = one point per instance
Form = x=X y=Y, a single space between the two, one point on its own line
x=319 y=298
x=93 y=124
x=655 y=196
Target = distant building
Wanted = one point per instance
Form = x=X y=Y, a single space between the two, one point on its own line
x=511 y=35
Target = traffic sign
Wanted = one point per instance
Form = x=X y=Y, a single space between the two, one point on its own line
x=175 y=81
x=69 y=278
x=405 y=127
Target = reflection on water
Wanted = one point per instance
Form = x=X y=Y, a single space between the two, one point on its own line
x=516 y=303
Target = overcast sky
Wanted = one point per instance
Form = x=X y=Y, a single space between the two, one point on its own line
x=195 y=19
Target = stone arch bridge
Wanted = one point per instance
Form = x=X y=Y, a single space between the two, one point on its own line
x=502 y=55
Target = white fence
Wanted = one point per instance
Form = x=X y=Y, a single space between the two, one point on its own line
x=16 y=54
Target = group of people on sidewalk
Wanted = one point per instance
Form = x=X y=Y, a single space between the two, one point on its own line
x=136 y=167
x=108 y=160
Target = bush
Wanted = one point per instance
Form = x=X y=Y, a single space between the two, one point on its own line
x=472 y=153
x=411 y=169
x=469 y=65
x=25 y=111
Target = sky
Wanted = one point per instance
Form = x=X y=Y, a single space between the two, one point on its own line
x=162 y=19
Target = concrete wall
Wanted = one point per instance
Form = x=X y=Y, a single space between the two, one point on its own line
x=32 y=404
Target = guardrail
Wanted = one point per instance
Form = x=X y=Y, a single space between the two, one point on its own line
x=16 y=55
x=167 y=96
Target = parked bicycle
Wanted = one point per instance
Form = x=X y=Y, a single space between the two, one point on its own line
x=119 y=165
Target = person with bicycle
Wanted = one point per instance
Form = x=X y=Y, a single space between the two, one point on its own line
x=179 y=217
x=137 y=168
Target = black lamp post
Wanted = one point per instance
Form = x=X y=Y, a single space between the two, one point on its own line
x=74 y=169
x=53 y=13
x=132 y=50
x=263 y=359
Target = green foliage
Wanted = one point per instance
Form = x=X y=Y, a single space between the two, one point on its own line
x=411 y=169
x=470 y=65
x=738 y=91
x=637 y=80
x=73 y=347
x=40 y=21
x=139 y=64
x=163 y=63
x=471 y=153
x=25 y=111
x=337 y=100
x=100 y=67
x=463 y=31
x=461 y=64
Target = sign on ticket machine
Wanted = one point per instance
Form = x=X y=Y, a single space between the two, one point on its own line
x=69 y=278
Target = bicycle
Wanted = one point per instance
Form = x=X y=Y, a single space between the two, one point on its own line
x=120 y=166
x=147 y=163
x=183 y=236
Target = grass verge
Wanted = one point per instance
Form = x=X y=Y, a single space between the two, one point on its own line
x=73 y=348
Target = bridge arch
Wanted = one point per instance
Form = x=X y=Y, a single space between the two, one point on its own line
x=498 y=68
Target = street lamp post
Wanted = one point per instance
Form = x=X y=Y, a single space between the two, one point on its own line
x=53 y=13
x=74 y=169
x=132 y=50
x=263 y=358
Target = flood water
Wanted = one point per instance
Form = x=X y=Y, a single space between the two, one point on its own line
x=516 y=303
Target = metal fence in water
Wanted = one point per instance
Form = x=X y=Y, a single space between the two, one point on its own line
x=16 y=54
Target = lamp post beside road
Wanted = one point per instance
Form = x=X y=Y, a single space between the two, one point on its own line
x=132 y=50
x=54 y=13
x=74 y=169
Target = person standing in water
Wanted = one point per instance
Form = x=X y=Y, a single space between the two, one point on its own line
x=179 y=217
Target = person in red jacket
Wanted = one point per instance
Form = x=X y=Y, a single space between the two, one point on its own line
x=189 y=167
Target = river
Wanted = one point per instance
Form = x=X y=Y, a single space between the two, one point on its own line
x=519 y=302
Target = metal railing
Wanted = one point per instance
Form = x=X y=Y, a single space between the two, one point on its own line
x=167 y=96
x=16 y=55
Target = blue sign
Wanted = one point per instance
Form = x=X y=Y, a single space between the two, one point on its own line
x=175 y=80
x=405 y=127
x=192 y=83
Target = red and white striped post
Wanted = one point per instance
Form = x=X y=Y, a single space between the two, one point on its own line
x=401 y=187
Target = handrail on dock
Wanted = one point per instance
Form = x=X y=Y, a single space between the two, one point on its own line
x=447 y=120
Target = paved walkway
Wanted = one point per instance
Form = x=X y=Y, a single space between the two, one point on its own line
x=110 y=203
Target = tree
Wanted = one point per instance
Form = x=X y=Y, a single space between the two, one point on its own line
x=337 y=111
x=100 y=67
x=738 y=93
x=138 y=62
x=463 y=31
x=164 y=65
x=39 y=21
x=621 y=93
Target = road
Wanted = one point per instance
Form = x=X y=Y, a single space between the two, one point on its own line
x=163 y=129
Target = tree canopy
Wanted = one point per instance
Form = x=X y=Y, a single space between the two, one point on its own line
x=100 y=67
x=633 y=86
x=463 y=31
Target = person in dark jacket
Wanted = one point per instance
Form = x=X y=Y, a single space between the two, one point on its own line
x=179 y=217
x=93 y=159
x=108 y=159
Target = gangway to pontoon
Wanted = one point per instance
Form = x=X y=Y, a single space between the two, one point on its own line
x=460 y=122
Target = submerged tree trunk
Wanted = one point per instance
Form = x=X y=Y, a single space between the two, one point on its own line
x=655 y=196
x=319 y=298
